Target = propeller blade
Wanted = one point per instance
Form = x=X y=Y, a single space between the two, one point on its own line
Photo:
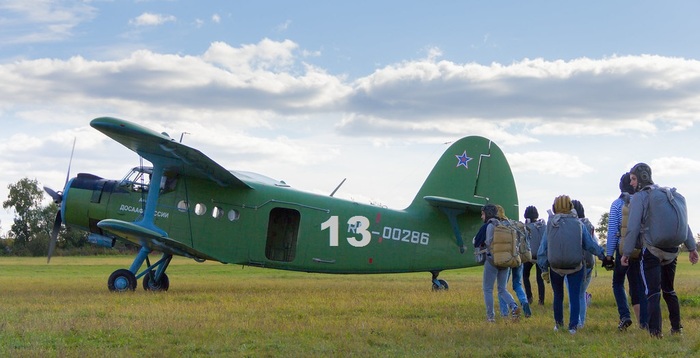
x=56 y=196
x=70 y=161
x=54 y=235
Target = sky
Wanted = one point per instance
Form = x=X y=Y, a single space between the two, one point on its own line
x=314 y=92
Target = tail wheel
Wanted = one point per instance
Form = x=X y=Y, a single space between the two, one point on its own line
x=150 y=284
x=440 y=285
x=122 y=280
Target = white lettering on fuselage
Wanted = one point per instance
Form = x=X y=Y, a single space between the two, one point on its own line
x=134 y=209
x=360 y=225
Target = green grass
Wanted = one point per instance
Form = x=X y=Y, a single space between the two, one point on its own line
x=64 y=309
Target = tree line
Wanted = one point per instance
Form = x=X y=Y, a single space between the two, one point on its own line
x=30 y=232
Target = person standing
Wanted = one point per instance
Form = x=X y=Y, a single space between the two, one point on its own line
x=515 y=272
x=589 y=264
x=534 y=229
x=560 y=256
x=617 y=228
x=658 y=260
x=492 y=273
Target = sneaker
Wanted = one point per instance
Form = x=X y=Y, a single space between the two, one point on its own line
x=490 y=320
x=526 y=310
x=624 y=323
x=572 y=330
x=656 y=334
x=540 y=302
x=677 y=331
x=515 y=313
x=556 y=326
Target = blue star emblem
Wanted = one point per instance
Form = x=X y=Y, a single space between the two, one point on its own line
x=463 y=159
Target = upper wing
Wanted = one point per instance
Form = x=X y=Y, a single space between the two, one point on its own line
x=160 y=148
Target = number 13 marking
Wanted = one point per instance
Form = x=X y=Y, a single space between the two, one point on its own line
x=356 y=224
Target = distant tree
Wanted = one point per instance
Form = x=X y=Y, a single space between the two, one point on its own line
x=25 y=199
x=602 y=229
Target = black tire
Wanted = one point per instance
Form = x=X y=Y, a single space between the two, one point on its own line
x=122 y=280
x=443 y=286
x=152 y=285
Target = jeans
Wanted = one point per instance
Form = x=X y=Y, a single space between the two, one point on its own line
x=493 y=274
x=618 y=286
x=517 y=273
x=582 y=296
x=659 y=281
x=574 y=284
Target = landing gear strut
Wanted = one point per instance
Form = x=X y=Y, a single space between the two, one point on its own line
x=154 y=277
x=439 y=285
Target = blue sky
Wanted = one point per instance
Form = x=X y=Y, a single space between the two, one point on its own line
x=312 y=92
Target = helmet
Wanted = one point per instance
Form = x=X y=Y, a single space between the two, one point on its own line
x=562 y=204
x=579 y=208
x=643 y=173
x=531 y=213
x=625 y=186
x=490 y=211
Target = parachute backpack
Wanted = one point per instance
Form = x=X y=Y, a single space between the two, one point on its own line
x=534 y=232
x=523 y=242
x=666 y=220
x=588 y=257
x=623 y=227
x=504 y=247
x=564 y=243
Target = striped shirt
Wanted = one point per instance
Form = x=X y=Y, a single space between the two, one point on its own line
x=614 y=222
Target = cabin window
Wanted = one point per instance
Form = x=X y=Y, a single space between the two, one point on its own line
x=282 y=232
x=233 y=215
x=139 y=180
x=200 y=209
x=217 y=212
x=182 y=206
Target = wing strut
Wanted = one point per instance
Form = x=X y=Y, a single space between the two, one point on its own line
x=147 y=221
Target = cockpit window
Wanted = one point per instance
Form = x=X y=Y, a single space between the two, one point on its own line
x=139 y=180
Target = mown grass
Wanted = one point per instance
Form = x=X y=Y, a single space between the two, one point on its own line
x=64 y=309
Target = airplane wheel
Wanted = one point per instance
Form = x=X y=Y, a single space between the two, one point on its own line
x=152 y=285
x=443 y=286
x=122 y=280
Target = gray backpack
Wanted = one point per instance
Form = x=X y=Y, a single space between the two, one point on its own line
x=564 y=246
x=666 y=220
x=588 y=257
x=534 y=234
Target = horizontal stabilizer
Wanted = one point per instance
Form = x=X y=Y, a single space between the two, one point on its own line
x=441 y=202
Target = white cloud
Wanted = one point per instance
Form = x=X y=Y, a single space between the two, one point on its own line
x=41 y=21
x=674 y=166
x=283 y=26
x=552 y=163
x=150 y=19
x=216 y=18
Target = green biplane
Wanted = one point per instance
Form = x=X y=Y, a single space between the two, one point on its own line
x=186 y=204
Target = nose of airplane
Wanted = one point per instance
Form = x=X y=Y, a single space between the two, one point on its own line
x=57 y=197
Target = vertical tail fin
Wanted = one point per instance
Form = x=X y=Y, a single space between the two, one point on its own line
x=472 y=172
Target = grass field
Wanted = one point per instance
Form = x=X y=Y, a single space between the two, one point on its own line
x=64 y=310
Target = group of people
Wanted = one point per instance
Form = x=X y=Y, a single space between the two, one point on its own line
x=563 y=251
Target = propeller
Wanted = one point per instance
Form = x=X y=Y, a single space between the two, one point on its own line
x=57 y=197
